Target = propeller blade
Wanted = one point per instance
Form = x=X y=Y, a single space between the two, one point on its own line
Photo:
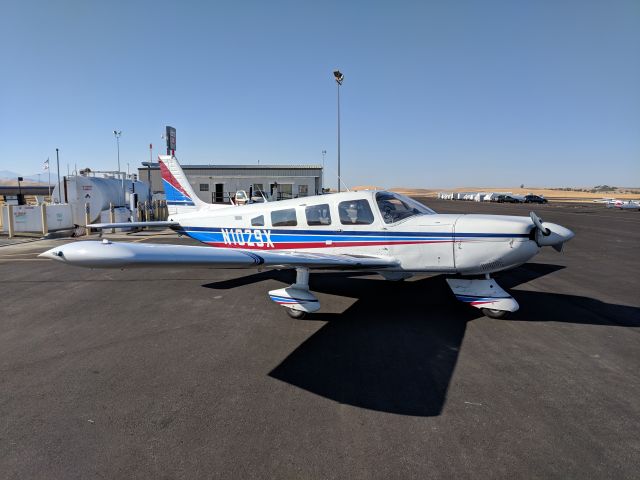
x=537 y=221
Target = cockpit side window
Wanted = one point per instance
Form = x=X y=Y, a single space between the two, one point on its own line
x=355 y=212
x=394 y=207
x=257 y=221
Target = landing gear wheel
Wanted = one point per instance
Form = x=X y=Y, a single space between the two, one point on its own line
x=491 y=313
x=298 y=314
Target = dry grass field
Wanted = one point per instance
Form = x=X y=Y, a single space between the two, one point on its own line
x=551 y=194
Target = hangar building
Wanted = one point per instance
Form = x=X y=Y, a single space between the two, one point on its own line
x=217 y=183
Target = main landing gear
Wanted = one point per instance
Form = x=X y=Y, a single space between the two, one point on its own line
x=297 y=298
x=484 y=294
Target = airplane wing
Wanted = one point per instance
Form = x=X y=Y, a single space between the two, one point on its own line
x=107 y=254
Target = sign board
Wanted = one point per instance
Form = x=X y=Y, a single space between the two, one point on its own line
x=171 y=139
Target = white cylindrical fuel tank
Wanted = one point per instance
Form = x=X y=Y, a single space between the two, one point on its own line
x=98 y=193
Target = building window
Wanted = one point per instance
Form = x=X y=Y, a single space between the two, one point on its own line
x=257 y=188
x=284 y=218
x=318 y=215
x=258 y=221
x=204 y=187
x=355 y=212
x=285 y=190
x=303 y=190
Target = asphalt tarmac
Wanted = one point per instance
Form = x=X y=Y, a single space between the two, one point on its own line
x=195 y=373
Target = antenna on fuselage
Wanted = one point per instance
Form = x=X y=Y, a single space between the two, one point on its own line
x=344 y=184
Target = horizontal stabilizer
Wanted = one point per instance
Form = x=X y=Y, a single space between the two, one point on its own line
x=158 y=224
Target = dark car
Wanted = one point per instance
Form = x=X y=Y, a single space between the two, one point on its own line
x=535 y=199
x=510 y=199
x=498 y=198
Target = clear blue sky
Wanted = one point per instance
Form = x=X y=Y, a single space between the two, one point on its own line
x=436 y=93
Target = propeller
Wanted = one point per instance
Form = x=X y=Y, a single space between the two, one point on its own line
x=551 y=235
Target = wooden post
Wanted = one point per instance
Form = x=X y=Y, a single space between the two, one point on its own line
x=10 y=218
x=43 y=213
x=87 y=220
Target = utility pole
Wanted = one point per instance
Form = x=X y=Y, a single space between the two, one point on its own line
x=324 y=152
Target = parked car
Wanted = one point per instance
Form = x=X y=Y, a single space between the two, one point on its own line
x=510 y=199
x=535 y=199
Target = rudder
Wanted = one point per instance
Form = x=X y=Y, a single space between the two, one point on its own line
x=180 y=195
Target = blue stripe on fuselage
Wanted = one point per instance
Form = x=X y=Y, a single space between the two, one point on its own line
x=215 y=235
x=358 y=233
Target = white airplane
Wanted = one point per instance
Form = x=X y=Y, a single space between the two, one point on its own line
x=624 y=205
x=376 y=231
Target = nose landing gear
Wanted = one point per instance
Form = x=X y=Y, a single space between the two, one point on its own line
x=484 y=294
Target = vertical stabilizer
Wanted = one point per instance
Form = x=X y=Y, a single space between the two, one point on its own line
x=180 y=195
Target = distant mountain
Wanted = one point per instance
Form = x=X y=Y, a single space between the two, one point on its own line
x=9 y=176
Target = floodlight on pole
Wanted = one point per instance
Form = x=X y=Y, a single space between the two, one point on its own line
x=339 y=79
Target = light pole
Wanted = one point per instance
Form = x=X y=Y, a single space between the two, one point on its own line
x=117 y=133
x=339 y=79
x=324 y=152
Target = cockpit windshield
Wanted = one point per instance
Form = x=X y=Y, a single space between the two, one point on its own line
x=395 y=207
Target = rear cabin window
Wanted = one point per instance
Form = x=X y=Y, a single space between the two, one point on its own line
x=284 y=218
x=318 y=215
x=257 y=221
x=355 y=212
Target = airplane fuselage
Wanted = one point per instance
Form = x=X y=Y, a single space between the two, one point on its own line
x=422 y=242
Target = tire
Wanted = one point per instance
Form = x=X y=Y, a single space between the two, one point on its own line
x=491 y=313
x=297 y=314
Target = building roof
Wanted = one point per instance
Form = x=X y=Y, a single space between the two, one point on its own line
x=155 y=165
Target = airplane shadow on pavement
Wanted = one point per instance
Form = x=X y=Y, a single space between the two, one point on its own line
x=395 y=349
